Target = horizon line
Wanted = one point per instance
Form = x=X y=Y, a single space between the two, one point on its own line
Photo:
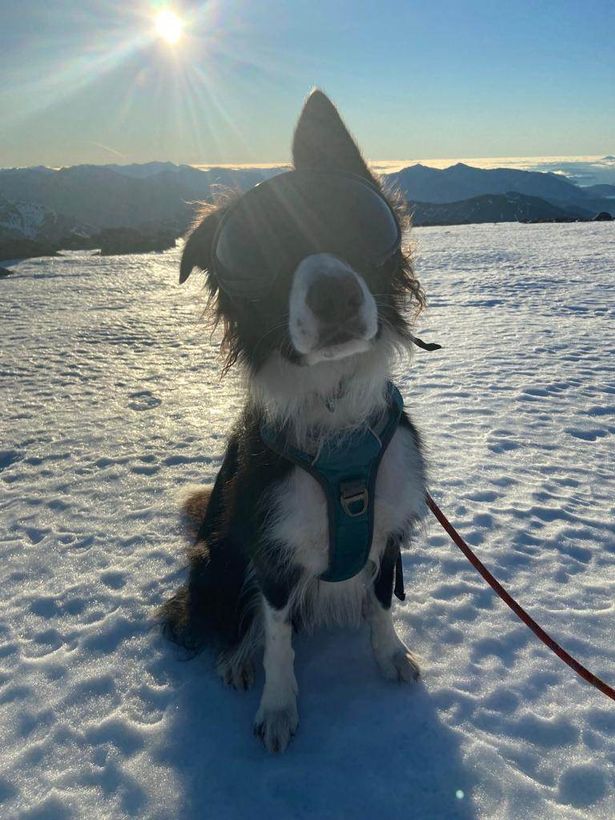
x=382 y=165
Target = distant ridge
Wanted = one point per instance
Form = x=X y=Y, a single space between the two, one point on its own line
x=509 y=207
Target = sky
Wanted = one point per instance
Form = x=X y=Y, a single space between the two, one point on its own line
x=91 y=81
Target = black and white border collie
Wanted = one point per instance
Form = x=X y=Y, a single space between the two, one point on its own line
x=317 y=350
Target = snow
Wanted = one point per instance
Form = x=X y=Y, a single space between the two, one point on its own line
x=24 y=218
x=111 y=402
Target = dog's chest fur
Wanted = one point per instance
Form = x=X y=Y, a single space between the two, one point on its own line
x=299 y=526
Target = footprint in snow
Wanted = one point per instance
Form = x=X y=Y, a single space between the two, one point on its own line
x=8 y=457
x=502 y=445
x=143 y=400
x=587 y=434
x=582 y=785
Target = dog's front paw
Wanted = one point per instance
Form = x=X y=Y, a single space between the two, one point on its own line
x=238 y=673
x=276 y=727
x=401 y=666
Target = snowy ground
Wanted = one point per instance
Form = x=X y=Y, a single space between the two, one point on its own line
x=111 y=402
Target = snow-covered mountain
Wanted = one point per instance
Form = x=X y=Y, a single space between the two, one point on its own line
x=22 y=219
x=30 y=230
x=31 y=220
x=106 y=197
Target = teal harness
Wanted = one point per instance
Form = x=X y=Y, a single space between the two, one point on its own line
x=347 y=470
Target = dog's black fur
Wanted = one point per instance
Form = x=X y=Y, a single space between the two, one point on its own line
x=234 y=566
x=216 y=606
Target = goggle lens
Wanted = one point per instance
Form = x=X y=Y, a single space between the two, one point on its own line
x=275 y=225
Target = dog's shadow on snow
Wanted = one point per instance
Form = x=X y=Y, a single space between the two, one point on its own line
x=364 y=746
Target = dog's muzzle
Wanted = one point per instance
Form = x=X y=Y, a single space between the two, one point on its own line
x=332 y=313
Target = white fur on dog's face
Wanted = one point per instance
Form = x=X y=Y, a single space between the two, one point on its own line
x=303 y=325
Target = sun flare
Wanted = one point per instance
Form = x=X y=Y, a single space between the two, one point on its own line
x=168 y=26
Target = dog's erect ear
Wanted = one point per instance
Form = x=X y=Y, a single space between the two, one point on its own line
x=198 y=247
x=322 y=141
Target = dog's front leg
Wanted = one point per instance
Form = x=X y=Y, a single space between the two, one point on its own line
x=276 y=720
x=395 y=660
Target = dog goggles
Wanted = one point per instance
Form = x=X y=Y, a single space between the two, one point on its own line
x=275 y=225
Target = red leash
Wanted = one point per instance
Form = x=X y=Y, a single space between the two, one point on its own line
x=518 y=610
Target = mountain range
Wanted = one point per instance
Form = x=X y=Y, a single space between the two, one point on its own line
x=458 y=182
x=40 y=203
x=111 y=196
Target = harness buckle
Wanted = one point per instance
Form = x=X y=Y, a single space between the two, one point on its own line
x=354 y=498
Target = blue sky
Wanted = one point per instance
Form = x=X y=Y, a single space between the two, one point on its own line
x=85 y=80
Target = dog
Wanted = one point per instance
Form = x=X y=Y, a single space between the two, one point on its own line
x=315 y=296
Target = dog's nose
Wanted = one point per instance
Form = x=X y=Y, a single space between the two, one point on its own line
x=334 y=299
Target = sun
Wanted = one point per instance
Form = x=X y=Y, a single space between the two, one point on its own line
x=168 y=26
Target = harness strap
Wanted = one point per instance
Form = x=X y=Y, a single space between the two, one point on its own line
x=346 y=471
